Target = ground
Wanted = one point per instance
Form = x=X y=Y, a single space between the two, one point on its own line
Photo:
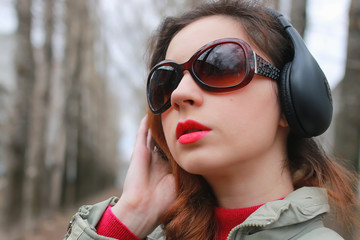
x=59 y=223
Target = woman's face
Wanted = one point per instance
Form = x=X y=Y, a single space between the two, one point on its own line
x=238 y=127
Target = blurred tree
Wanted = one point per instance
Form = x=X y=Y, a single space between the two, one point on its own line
x=34 y=196
x=19 y=128
x=53 y=146
x=298 y=15
x=63 y=136
x=297 y=11
x=347 y=128
x=175 y=8
x=275 y=4
x=76 y=19
x=89 y=120
x=347 y=143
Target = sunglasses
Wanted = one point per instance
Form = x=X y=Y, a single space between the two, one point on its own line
x=220 y=66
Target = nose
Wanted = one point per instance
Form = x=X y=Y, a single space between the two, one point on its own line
x=188 y=93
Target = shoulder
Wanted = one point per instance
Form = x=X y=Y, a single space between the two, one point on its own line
x=82 y=225
x=322 y=233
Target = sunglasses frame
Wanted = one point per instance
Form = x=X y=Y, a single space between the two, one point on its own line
x=254 y=65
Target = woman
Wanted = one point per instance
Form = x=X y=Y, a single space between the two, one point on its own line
x=226 y=163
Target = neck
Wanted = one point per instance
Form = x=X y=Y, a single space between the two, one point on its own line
x=252 y=182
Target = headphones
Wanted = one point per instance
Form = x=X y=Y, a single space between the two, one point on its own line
x=304 y=92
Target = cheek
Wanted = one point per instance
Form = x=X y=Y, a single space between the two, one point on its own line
x=168 y=122
x=254 y=114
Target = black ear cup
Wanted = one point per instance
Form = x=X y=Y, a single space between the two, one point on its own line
x=303 y=88
x=286 y=100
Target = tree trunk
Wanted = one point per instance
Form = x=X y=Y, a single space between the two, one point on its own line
x=88 y=168
x=348 y=122
x=35 y=174
x=347 y=129
x=55 y=122
x=18 y=125
x=76 y=14
x=298 y=15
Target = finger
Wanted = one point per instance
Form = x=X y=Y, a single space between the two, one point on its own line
x=142 y=133
x=141 y=137
x=141 y=157
x=149 y=141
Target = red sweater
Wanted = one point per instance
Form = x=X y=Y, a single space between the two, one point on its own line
x=111 y=226
x=227 y=219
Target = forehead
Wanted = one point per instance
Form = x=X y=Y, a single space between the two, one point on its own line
x=207 y=29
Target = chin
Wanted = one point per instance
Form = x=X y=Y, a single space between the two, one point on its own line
x=201 y=166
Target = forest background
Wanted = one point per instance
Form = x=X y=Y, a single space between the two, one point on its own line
x=72 y=94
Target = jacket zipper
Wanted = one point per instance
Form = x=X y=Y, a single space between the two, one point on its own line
x=244 y=225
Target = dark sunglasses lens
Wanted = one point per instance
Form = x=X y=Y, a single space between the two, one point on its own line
x=223 y=65
x=162 y=82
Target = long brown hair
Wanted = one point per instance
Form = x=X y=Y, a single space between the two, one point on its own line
x=192 y=215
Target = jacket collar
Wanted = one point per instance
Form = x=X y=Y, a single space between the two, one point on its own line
x=302 y=205
x=299 y=206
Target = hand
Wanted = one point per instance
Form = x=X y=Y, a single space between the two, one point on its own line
x=149 y=188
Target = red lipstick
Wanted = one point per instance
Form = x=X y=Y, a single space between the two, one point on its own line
x=190 y=131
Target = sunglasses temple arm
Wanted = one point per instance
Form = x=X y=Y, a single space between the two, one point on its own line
x=266 y=69
x=255 y=61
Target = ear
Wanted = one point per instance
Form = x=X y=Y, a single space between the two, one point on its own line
x=283 y=122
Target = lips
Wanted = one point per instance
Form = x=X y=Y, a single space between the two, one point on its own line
x=190 y=131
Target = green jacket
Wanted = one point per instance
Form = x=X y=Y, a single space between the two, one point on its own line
x=298 y=216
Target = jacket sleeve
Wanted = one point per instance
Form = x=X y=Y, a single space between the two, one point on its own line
x=83 y=223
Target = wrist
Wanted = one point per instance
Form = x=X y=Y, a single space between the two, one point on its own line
x=137 y=219
x=111 y=226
